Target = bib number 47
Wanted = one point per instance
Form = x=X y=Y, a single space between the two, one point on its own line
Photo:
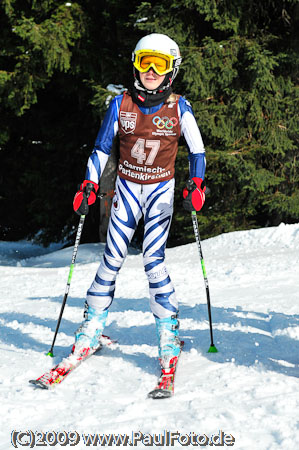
x=138 y=151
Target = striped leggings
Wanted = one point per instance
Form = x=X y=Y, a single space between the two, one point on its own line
x=131 y=200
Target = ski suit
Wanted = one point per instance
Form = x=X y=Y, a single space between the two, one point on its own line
x=144 y=186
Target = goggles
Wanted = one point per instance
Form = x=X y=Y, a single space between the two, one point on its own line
x=160 y=62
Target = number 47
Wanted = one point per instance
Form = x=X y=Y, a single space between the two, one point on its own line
x=138 y=152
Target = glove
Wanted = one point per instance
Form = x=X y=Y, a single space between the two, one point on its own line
x=194 y=194
x=84 y=197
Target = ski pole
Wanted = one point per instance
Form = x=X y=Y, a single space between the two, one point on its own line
x=212 y=348
x=77 y=241
x=76 y=246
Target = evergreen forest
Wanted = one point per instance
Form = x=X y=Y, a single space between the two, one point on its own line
x=60 y=64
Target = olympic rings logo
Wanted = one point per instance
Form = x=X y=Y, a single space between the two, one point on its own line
x=165 y=122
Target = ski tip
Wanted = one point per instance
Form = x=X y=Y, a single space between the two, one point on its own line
x=159 y=394
x=50 y=354
x=212 y=349
x=39 y=384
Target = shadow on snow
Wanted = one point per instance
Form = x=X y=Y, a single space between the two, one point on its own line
x=247 y=338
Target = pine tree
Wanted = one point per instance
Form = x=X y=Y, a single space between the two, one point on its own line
x=239 y=71
x=56 y=61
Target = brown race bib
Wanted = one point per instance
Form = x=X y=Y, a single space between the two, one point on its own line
x=148 y=142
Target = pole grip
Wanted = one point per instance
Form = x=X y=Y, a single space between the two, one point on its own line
x=88 y=188
x=190 y=185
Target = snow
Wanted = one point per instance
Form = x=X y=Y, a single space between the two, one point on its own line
x=249 y=389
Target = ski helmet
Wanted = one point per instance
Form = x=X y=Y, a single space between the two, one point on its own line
x=159 y=52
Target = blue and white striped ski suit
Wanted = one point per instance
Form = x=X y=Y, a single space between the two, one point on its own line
x=131 y=201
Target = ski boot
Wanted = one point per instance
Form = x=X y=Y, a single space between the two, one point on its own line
x=88 y=335
x=169 y=342
x=169 y=351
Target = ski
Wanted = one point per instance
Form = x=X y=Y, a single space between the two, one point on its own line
x=165 y=386
x=59 y=373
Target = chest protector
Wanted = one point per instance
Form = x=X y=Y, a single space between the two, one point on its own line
x=148 y=142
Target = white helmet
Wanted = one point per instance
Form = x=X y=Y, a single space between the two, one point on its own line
x=158 y=44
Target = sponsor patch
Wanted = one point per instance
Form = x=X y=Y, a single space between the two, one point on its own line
x=128 y=121
x=164 y=126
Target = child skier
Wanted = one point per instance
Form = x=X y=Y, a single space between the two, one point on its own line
x=149 y=120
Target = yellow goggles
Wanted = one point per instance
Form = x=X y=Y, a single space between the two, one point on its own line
x=160 y=62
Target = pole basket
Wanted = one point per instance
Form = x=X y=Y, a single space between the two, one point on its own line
x=212 y=349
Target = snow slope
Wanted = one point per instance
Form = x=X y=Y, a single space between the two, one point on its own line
x=249 y=389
